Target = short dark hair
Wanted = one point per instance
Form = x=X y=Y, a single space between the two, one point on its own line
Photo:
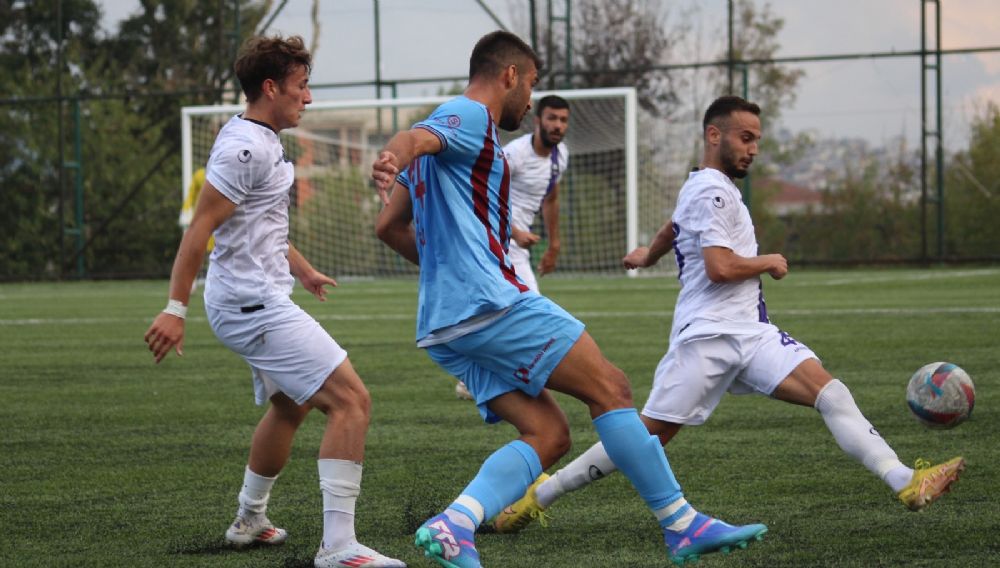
x=551 y=101
x=722 y=107
x=496 y=50
x=269 y=57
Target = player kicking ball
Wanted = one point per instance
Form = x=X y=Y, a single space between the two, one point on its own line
x=722 y=340
x=449 y=212
x=296 y=365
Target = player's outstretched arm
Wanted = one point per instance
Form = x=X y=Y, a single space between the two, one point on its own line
x=644 y=257
x=550 y=213
x=724 y=265
x=312 y=280
x=167 y=330
x=394 y=227
x=403 y=148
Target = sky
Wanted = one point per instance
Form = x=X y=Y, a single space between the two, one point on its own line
x=877 y=100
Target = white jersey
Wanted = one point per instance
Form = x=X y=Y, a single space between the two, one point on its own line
x=531 y=177
x=710 y=212
x=249 y=264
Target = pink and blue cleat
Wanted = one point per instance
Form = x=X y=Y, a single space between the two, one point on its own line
x=706 y=534
x=447 y=543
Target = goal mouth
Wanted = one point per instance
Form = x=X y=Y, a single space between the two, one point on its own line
x=609 y=199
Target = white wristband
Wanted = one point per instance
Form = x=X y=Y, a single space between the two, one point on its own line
x=175 y=308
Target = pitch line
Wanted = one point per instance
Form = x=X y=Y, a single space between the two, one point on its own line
x=581 y=314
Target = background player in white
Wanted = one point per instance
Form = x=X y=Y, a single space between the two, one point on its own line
x=537 y=161
x=295 y=363
x=721 y=338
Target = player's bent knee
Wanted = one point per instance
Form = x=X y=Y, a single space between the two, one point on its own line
x=618 y=389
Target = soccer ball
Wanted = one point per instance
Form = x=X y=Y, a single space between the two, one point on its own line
x=941 y=395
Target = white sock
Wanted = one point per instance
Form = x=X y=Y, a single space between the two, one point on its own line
x=682 y=522
x=340 y=482
x=898 y=478
x=591 y=465
x=255 y=493
x=855 y=434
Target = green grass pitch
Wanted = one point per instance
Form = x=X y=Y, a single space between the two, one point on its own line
x=109 y=460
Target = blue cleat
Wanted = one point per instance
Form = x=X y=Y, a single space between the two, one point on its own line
x=705 y=535
x=448 y=544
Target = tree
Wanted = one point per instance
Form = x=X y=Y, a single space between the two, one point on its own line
x=173 y=52
x=614 y=43
x=972 y=192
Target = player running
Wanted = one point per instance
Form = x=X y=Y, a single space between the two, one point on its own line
x=450 y=214
x=295 y=363
x=722 y=340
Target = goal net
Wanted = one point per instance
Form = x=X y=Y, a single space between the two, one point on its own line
x=616 y=193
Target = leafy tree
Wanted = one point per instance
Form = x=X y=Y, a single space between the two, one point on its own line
x=972 y=192
x=171 y=53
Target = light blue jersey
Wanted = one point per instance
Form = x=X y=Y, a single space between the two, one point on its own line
x=461 y=216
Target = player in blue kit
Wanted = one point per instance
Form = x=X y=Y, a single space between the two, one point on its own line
x=448 y=211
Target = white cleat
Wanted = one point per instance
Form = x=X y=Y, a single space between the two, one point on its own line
x=355 y=555
x=250 y=530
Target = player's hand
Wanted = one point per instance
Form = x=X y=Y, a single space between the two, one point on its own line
x=166 y=332
x=638 y=258
x=384 y=172
x=524 y=239
x=315 y=281
x=778 y=266
x=548 y=262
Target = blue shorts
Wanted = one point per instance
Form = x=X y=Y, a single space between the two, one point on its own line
x=516 y=352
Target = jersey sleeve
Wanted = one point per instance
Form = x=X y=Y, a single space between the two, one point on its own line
x=563 y=161
x=461 y=125
x=232 y=167
x=715 y=212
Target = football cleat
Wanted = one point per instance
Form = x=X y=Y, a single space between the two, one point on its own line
x=706 y=534
x=930 y=482
x=354 y=555
x=462 y=391
x=254 y=530
x=448 y=544
x=520 y=514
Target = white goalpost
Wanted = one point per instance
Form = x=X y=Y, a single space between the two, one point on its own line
x=612 y=196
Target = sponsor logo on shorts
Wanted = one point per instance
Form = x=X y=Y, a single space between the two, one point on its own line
x=718 y=202
x=244 y=156
x=523 y=373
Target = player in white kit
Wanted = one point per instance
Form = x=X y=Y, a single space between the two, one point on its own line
x=722 y=340
x=295 y=364
x=537 y=162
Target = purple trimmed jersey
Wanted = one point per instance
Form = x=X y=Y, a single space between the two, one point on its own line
x=711 y=213
x=461 y=217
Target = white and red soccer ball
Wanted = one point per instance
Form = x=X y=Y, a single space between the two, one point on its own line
x=941 y=395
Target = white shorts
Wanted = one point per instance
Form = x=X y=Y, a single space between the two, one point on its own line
x=287 y=350
x=691 y=378
x=521 y=259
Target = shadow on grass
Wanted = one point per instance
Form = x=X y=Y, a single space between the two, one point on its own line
x=215 y=547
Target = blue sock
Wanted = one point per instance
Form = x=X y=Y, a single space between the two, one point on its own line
x=639 y=456
x=502 y=479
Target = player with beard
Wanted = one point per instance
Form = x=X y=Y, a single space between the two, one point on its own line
x=449 y=214
x=537 y=161
x=722 y=339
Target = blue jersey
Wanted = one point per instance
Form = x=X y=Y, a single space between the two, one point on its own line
x=461 y=218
